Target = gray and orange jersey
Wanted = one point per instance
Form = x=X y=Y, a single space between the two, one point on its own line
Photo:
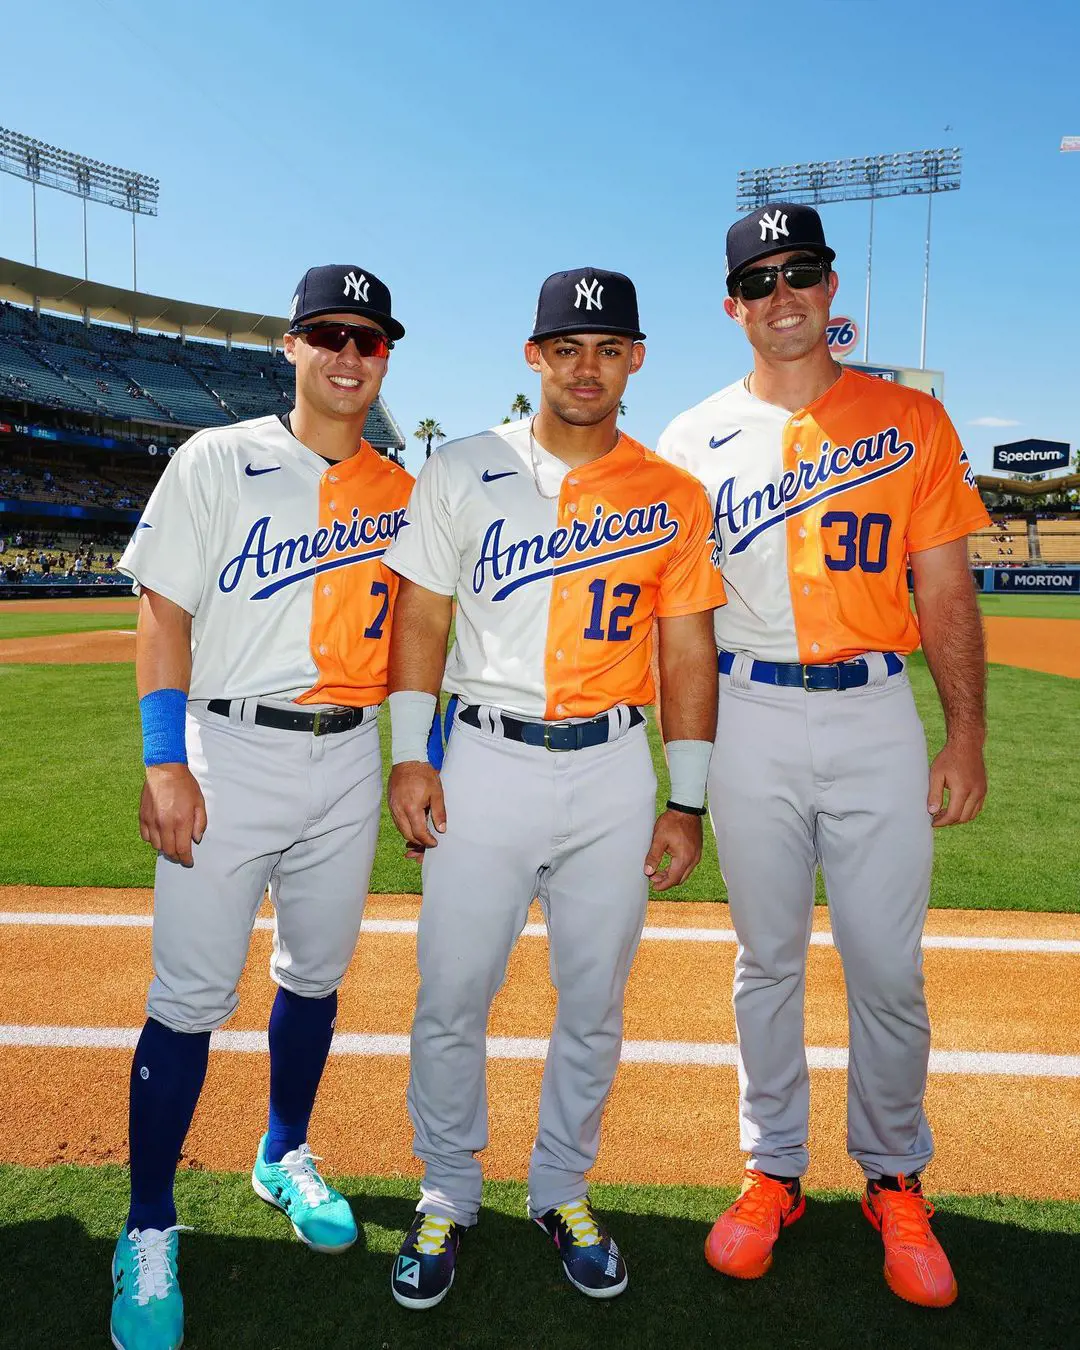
x=558 y=572
x=278 y=556
x=816 y=512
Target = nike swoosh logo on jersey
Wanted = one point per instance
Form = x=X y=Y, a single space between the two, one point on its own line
x=715 y=444
x=143 y=525
x=488 y=477
x=255 y=473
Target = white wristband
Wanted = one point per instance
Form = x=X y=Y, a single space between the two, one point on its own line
x=688 y=765
x=411 y=715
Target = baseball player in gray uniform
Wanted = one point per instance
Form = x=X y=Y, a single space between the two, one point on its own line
x=261 y=657
x=827 y=485
x=562 y=541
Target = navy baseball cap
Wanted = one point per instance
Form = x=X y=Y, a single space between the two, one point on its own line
x=776 y=227
x=587 y=300
x=341 y=289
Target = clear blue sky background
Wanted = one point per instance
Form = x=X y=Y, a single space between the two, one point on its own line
x=464 y=151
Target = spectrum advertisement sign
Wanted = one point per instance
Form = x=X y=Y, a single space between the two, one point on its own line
x=1031 y=456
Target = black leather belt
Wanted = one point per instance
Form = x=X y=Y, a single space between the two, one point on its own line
x=551 y=735
x=842 y=675
x=322 y=722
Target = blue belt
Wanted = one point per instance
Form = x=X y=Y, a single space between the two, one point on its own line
x=843 y=675
x=551 y=735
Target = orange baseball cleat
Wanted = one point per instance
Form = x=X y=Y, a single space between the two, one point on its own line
x=916 y=1267
x=741 y=1241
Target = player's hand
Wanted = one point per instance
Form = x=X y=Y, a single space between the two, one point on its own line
x=413 y=792
x=679 y=837
x=958 y=770
x=172 y=813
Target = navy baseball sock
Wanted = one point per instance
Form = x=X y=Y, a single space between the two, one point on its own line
x=301 y=1030
x=166 y=1078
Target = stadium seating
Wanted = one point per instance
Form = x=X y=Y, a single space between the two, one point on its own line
x=1001 y=543
x=1059 y=541
x=147 y=377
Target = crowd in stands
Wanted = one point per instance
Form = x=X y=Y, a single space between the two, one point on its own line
x=48 y=556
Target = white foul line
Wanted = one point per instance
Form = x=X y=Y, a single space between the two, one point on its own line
x=703 y=1054
x=651 y=933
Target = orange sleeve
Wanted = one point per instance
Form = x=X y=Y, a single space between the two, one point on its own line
x=691 y=581
x=946 y=504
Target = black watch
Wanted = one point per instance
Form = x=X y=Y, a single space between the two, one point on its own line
x=687 y=810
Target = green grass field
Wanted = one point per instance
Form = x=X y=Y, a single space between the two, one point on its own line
x=26 y=624
x=248 y=1283
x=1031 y=606
x=71 y=777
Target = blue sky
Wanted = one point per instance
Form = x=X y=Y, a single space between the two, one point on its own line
x=463 y=152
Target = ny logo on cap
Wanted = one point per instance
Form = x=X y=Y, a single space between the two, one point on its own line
x=776 y=224
x=359 y=285
x=590 y=292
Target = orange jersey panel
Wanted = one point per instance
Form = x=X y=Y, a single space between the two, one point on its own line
x=362 y=503
x=647 y=554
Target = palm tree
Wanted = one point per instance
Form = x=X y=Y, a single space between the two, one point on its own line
x=428 y=431
x=521 y=405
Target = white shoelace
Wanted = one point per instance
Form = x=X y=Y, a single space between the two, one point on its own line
x=300 y=1165
x=154 y=1274
x=581 y=1223
x=431 y=1238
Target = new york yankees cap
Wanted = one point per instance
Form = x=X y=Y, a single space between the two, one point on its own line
x=586 y=300
x=776 y=227
x=340 y=288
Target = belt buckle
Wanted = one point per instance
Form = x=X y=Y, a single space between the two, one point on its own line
x=315 y=726
x=549 y=727
x=805 y=676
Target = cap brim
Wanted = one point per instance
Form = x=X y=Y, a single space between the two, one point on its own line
x=824 y=250
x=587 y=328
x=393 y=330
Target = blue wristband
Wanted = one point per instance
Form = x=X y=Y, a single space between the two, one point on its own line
x=162 y=713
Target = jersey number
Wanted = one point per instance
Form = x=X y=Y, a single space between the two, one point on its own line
x=615 y=630
x=864 y=541
x=374 y=629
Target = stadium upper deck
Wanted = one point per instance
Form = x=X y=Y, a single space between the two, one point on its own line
x=119 y=374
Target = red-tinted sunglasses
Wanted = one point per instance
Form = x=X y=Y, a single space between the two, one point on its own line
x=334 y=336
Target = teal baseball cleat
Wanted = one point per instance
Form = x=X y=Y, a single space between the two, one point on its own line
x=147 y=1307
x=320 y=1217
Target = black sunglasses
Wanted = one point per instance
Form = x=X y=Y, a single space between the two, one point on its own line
x=334 y=336
x=800 y=274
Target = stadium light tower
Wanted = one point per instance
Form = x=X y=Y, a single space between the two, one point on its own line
x=850 y=180
x=89 y=179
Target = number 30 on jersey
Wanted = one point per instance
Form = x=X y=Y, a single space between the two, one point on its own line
x=856 y=541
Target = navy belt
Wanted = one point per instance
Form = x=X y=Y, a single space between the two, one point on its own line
x=843 y=675
x=551 y=735
x=322 y=722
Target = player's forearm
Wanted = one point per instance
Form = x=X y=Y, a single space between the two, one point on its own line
x=162 y=645
x=952 y=640
x=688 y=680
x=421 y=626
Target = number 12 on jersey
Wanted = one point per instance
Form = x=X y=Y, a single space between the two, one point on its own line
x=615 y=631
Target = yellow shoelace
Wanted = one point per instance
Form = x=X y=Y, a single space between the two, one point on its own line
x=431 y=1239
x=579 y=1219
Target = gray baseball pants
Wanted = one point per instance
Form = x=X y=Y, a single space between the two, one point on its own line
x=838 y=778
x=285 y=808
x=572 y=829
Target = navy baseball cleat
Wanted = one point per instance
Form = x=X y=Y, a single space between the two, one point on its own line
x=320 y=1217
x=147 y=1307
x=424 y=1265
x=590 y=1257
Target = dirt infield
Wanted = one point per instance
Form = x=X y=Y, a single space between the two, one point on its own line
x=70 y=649
x=115 y=605
x=1050 y=645
x=1004 y=1087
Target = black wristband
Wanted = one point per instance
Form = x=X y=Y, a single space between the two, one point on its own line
x=687 y=810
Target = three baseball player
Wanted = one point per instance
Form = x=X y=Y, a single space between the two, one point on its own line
x=270 y=565
x=827 y=485
x=261 y=659
x=562 y=541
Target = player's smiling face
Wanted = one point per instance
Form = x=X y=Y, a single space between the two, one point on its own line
x=788 y=324
x=583 y=375
x=335 y=384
